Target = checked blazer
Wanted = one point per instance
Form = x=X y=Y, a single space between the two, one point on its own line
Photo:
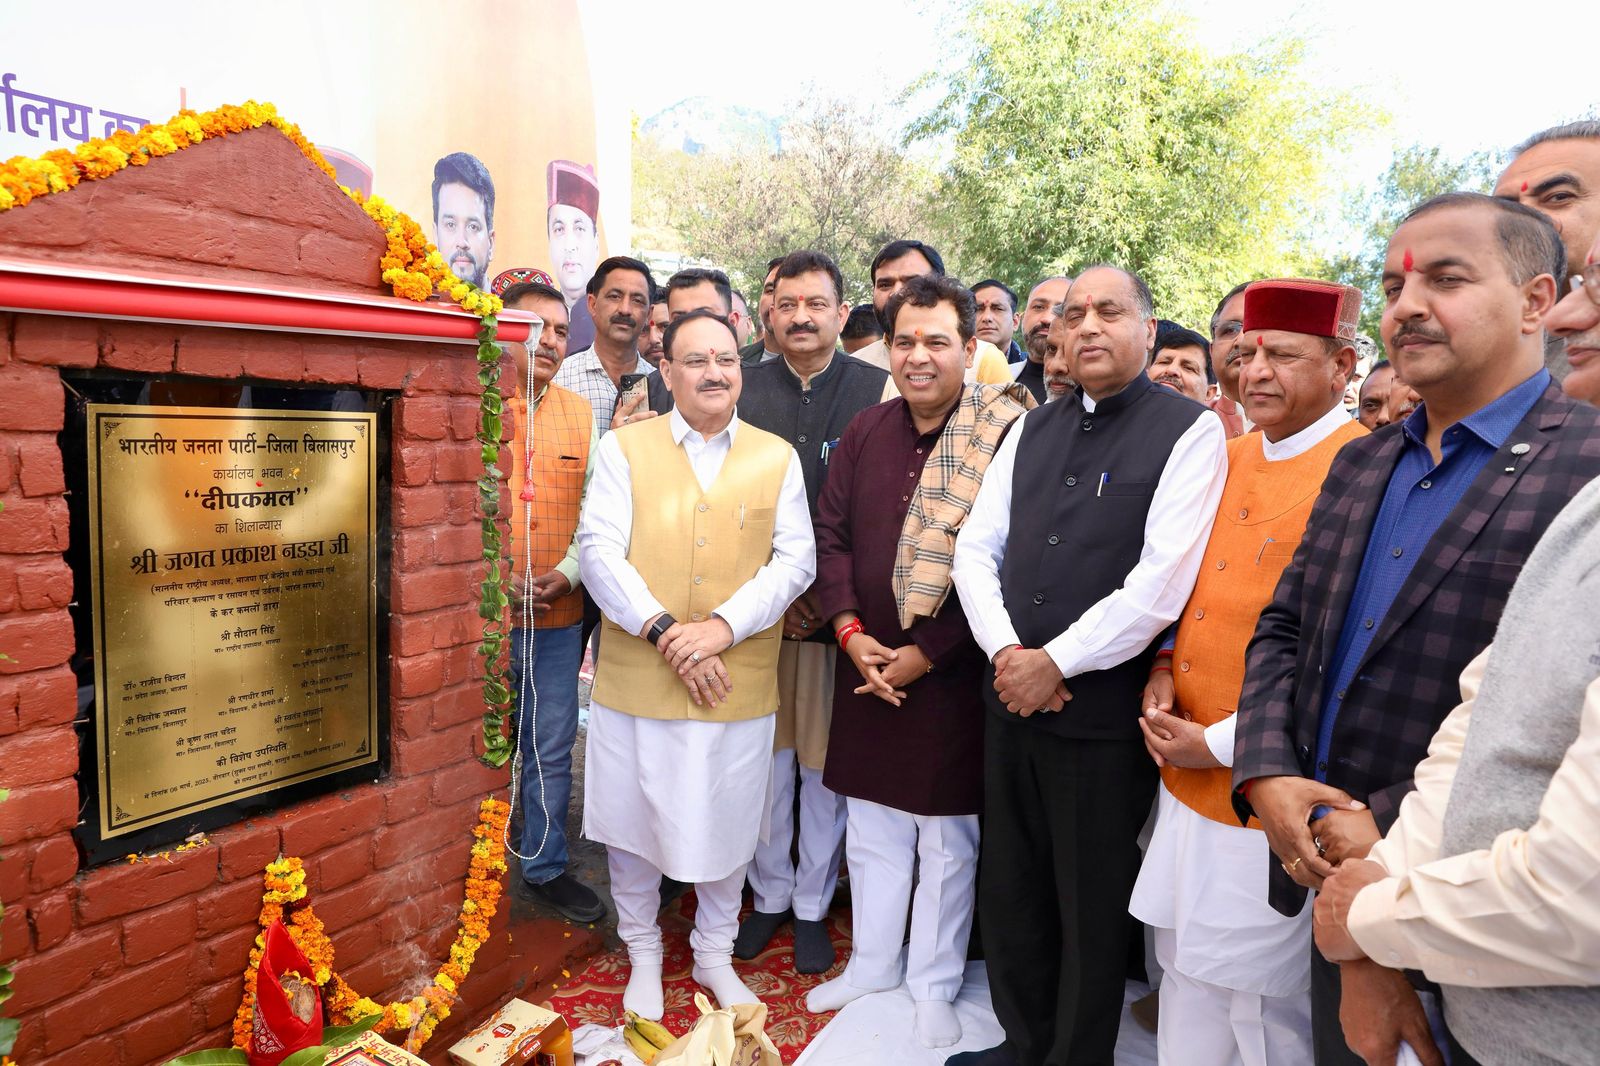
x=1444 y=614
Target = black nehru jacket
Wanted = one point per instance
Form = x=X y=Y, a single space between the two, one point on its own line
x=1031 y=377
x=811 y=419
x=1073 y=541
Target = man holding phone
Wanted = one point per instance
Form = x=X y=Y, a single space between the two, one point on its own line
x=619 y=302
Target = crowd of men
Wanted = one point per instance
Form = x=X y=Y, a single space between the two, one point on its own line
x=1062 y=627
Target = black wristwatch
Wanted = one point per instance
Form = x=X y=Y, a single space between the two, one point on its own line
x=664 y=623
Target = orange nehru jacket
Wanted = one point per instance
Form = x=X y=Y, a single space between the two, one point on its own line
x=561 y=426
x=1262 y=516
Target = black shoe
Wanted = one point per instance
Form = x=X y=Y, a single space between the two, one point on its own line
x=813 y=951
x=995 y=1056
x=568 y=896
x=756 y=932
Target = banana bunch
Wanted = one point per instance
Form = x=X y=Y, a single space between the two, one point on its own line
x=645 y=1037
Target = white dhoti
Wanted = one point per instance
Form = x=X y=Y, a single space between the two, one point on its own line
x=1236 y=981
x=686 y=796
x=884 y=845
x=805 y=694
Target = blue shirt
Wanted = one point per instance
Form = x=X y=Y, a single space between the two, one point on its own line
x=1419 y=498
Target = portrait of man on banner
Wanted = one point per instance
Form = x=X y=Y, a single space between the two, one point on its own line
x=463 y=215
x=574 y=240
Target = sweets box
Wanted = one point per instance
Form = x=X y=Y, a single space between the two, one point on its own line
x=513 y=1036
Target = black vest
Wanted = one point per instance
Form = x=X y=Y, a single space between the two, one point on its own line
x=812 y=420
x=772 y=400
x=1080 y=493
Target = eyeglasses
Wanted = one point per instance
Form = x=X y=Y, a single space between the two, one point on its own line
x=1589 y=282
x=725 y=361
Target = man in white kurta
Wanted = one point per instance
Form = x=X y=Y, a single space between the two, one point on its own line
x=695 y=537
x=1235 y=980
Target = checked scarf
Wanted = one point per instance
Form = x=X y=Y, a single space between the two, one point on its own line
x=949 y=484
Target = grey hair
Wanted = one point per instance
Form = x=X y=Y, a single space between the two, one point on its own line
x=1584 y=130
x=1141 y=291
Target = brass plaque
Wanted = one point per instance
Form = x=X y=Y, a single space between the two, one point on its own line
x=235 y=604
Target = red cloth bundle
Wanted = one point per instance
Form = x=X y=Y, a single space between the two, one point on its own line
x=288 y=1014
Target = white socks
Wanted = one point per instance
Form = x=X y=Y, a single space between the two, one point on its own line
x=722 y=983
x=937 y=1024
x=835 y=994
x=643 y=994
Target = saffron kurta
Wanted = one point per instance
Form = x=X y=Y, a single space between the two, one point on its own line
x=925 y=756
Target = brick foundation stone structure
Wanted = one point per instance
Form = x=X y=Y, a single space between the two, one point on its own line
x=136 y=962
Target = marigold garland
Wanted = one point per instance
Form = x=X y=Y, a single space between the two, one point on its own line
x=283 y=899
x=411 y=266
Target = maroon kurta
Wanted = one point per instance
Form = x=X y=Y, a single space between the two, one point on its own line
x=925 y=756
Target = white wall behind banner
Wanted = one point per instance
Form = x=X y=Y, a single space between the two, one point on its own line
x=388 y=87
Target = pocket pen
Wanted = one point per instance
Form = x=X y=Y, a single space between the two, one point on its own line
x=1103 y=479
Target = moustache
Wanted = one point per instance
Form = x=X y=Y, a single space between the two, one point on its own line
x=623 y=320
x=801 y=327
x=1405 y=333
x=711 y=388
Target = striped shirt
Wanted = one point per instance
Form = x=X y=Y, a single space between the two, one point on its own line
x=583 y=373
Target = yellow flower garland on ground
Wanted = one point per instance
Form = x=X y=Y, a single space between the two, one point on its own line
x=285 y=892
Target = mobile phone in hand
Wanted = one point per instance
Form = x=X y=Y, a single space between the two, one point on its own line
x=631 y=386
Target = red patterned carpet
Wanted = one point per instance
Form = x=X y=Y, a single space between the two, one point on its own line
x=595 y=995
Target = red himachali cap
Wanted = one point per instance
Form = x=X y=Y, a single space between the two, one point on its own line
x=574 y=185
x=1302 y=305
x=516 y=276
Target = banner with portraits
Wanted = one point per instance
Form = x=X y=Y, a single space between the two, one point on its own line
x=482 y=120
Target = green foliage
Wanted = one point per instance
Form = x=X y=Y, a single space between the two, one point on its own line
x=215 y=1057
x=339 y=1035
x=1094 y=130
x=837 y=186
x=494 y=592
x=1415 y=174
x=333 y=1036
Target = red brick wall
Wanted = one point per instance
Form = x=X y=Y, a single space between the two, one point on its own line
x=132 y=963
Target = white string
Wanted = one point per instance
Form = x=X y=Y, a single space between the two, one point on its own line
x=527 y=716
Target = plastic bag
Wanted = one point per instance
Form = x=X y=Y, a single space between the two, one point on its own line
x=732 y=1036
x=288 y=1013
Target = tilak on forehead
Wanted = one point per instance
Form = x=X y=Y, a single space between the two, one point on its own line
x=1524 y=186
x=1407 y=262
